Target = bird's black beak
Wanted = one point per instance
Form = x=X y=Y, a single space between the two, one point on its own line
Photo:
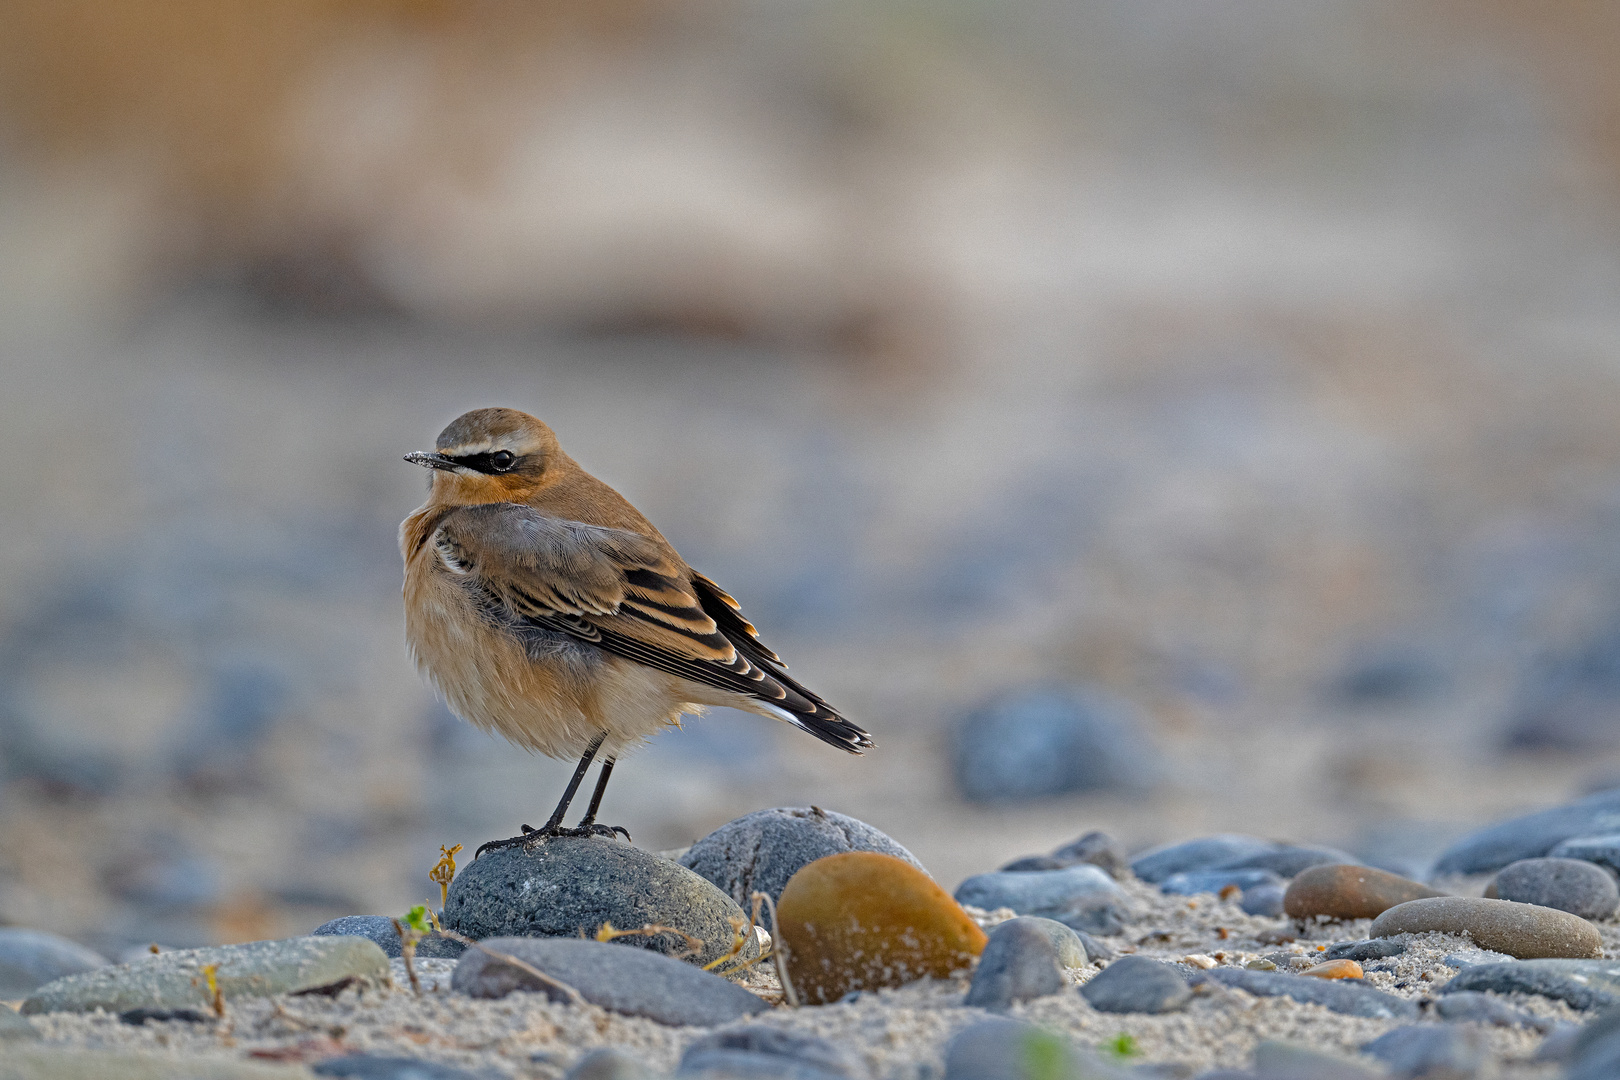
x=430 y=460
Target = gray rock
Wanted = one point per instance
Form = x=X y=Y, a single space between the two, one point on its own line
x=1265 y=900
x=634 y=982
x=1049 y=741
x=174 y=980
x=1004 y=1049
x=1095 y=950
x=1136 y=984
x=14 y=1026
x=31 y=958
x=1019 y=962
x=1465 y=1006
x=1580 y=888
x=1193 y=882
x=1033 y=862
x=1389 y=673
x=1374 y=949
x=1602 y=850
x=1467 y=958
x=1571 y=701
x=1287 y=860
x=1097 y=848
x=1559 y=1045
x=1276 y=1059
x=1440 y=1052
x=1201 y=854
x=1585 y=984
x=1074 y=949
x=1523 y=930
x=1082 y=897
x=1532 y=835
x=384 y=1067
x=162 y=879
x=55 y=1063
x=1594 y=1052
x=1339 y=995
x=143 y=1015
x=570 y=886
x=759 y=852
x=380 y=929
x=756 y=1052
x=610 y=1063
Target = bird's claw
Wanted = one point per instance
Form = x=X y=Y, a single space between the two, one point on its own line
x=546 y=832
x=591 y=828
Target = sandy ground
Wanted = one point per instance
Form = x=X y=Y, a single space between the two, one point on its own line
x=892 y=1034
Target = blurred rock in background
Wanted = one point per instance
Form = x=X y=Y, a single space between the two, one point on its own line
x=1251 y=366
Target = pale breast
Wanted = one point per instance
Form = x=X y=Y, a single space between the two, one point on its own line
x=544 y=691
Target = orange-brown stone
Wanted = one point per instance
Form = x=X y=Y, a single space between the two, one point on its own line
x=859 y=920
x=1340 y=891
x=1335 y=969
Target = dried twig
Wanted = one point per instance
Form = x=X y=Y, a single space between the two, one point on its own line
x=524 y=966
x=408 y=937
x=778 y=950
x=607 y=932
x=445 y=872
x=210 y=973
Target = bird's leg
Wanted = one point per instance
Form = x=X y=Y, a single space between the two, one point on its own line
x=553 y=826
x=587 y=825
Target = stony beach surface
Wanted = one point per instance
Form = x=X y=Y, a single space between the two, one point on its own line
x=1091 y=964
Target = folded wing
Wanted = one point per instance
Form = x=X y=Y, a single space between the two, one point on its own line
x=631 y=596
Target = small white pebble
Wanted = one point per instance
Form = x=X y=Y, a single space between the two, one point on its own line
x=1199 y=960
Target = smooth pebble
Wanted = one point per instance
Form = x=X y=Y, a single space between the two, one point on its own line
x=1350 y=998
x=174 y=979
x=1020 y=962
x=1349 y=892
x=1137 y=984
x=863 y=921
x=1584 y=984
x=761 y=851
x=1532 y=835
x=1572 y=885
x=31 y=958
x=1521 y=930
x=1429 y=1050
x=1083 y=896
x=567 y=887
x=1158 y=863
x=380 y=929
x=634 y=982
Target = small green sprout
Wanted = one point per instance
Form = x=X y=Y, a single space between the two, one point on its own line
x=1122 y=1045
x=417 y=924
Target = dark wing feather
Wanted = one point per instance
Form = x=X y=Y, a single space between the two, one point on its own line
x=629 y=595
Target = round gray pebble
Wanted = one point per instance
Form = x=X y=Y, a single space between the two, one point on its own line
x=1580 y=888
x=1019 y=962
x=570 y=886
x=759 y=852
x=1136 y=984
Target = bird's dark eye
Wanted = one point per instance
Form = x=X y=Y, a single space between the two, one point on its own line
x=501 y=460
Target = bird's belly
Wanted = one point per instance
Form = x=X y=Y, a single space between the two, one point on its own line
x=544 y=691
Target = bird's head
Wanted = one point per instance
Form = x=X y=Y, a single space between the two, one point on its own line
x=488 y=456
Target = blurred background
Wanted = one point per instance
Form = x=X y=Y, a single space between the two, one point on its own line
x=1153 y=416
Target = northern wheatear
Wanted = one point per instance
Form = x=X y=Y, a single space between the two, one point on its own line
x=546 y=608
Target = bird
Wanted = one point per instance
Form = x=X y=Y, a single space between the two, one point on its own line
x=545 y=608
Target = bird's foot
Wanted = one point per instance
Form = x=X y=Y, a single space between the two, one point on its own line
x=588 y=827
x=528 y=836
x=549 y=830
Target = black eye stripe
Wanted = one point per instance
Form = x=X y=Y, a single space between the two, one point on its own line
x=485 y=463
